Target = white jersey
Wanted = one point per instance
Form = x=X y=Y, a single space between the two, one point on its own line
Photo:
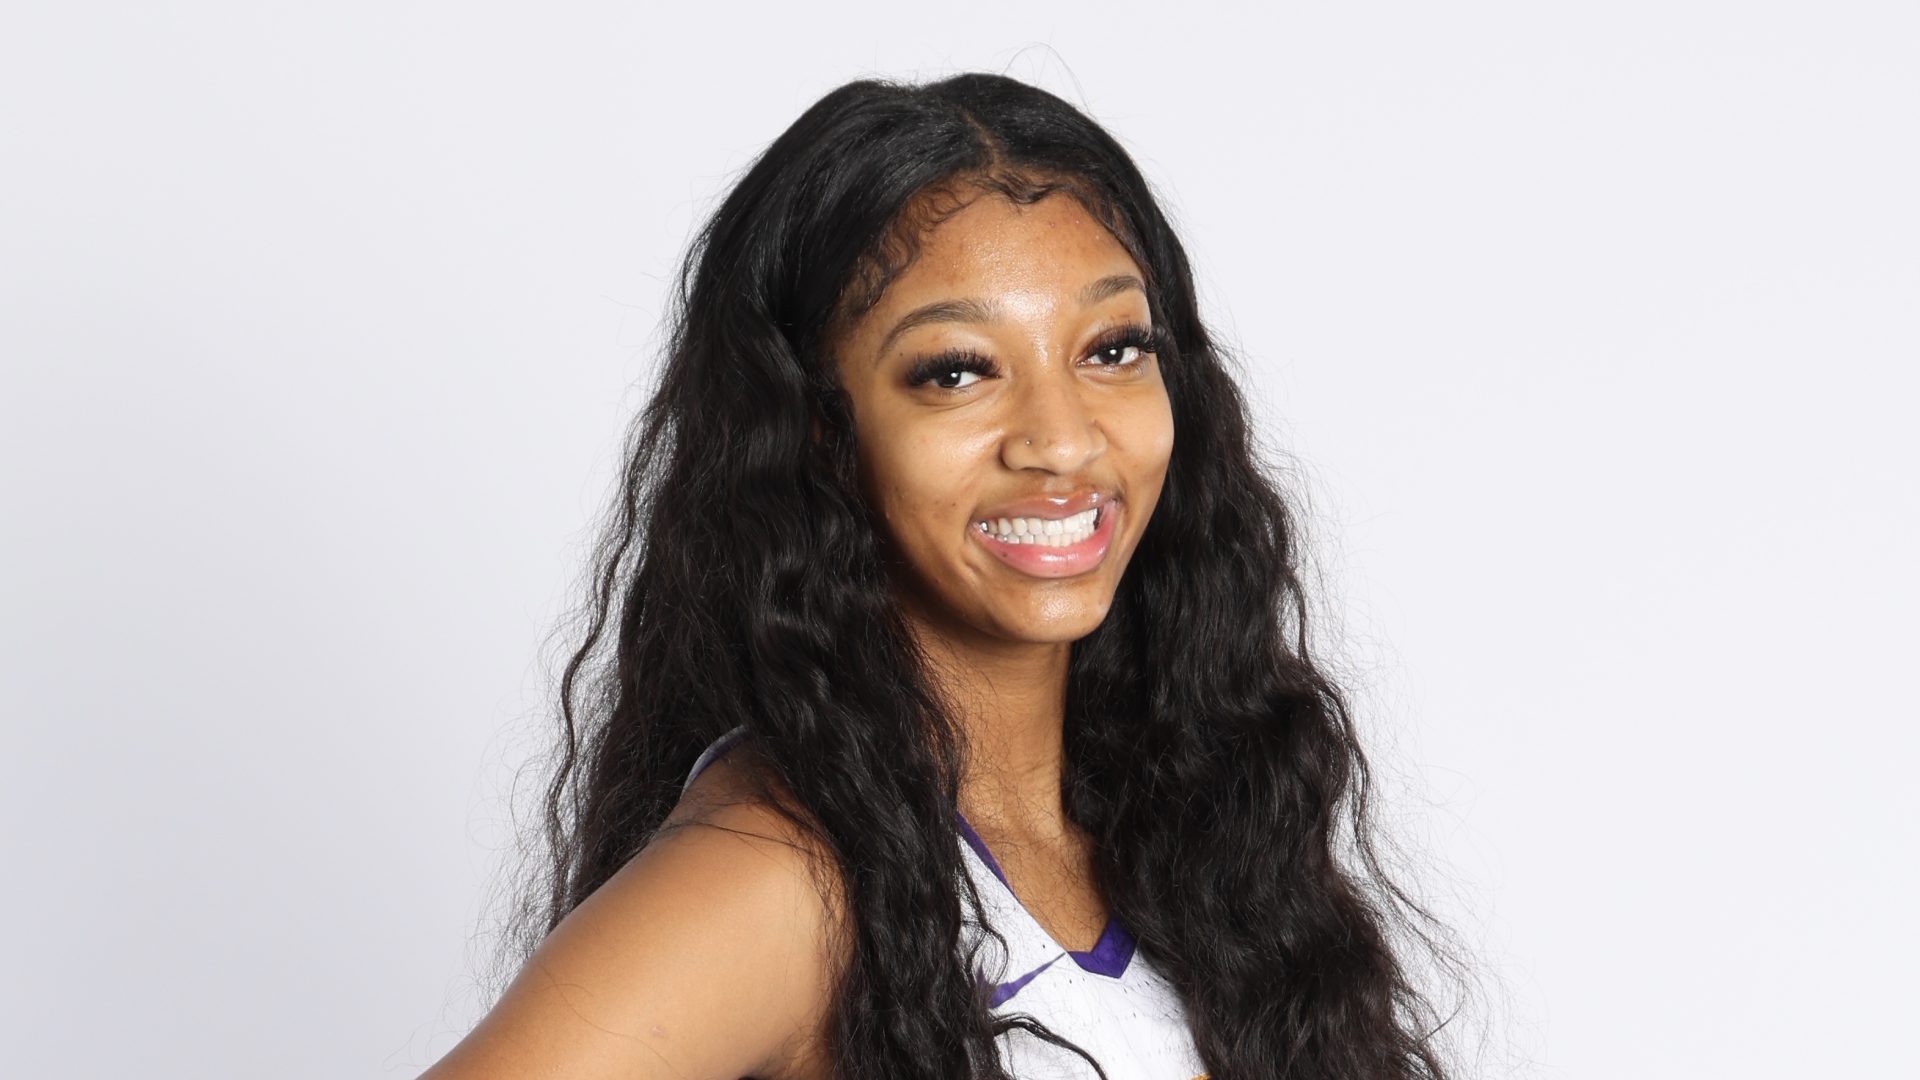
x=1109 y=1000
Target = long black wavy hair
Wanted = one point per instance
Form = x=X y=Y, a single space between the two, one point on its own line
x=743 y=580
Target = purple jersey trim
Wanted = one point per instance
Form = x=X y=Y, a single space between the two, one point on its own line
x=712 y=754
x=1004 y=991
x=979 y=847
x=1109 y=956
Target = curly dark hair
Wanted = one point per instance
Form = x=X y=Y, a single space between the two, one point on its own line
x=742 y=580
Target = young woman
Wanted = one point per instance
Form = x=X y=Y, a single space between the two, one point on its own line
x=946 y=708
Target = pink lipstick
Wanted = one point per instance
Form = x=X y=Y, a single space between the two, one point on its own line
x=1051 y=547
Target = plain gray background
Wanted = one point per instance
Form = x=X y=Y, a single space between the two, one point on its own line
x=1590 y=329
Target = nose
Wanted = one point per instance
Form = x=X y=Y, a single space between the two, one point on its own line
x=1052 y=426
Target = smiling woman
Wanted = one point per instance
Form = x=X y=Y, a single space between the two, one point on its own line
x=945 y=708
x=1010 y=412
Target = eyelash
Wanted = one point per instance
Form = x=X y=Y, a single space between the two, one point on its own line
x=1149 y=340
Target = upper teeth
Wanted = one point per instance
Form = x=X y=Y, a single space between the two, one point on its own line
x=1047 y=532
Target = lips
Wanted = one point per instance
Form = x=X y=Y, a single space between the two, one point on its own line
x=1049 y=506
x=1042 y=561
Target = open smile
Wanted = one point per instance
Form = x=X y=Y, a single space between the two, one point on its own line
x=1051 y=547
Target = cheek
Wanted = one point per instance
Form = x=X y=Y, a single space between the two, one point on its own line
x=1146 y=431
x=917 y=479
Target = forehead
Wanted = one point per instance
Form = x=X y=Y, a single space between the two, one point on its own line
x=985 y=239
x=980 y=244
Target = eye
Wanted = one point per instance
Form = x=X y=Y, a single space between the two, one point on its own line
x=1127 y=346
x=955 y=369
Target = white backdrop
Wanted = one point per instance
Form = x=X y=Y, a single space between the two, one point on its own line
x=1591 y=330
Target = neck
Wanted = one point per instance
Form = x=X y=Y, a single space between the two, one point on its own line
x=1009 y=700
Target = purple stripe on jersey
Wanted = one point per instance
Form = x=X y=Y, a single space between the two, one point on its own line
x=712 y=754
x=1006 y=990
x=1109 y=956
x=979 y=847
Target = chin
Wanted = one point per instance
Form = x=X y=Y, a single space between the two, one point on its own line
x=1057 y=627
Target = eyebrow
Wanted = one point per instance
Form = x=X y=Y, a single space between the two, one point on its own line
x=970 y=310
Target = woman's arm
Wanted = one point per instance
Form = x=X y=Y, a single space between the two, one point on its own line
x=704 y=957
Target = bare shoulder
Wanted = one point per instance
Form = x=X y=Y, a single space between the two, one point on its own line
x=707 y=955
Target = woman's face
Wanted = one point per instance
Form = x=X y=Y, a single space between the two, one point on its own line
x=1013 y=434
